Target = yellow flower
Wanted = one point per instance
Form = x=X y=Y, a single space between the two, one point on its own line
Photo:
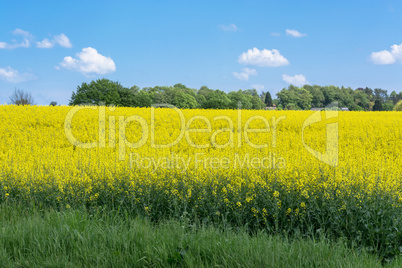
x=264 y=212
x=36 y=155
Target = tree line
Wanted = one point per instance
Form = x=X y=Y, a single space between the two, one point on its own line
x=290 y=98
x=360 y=99
x=113 y=93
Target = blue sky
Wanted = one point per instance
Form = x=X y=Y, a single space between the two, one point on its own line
x=48 y=48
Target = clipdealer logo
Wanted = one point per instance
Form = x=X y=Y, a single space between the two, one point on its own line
x=330 y=157
x=148 y=131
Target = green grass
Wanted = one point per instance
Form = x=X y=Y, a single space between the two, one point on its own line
x=364 y=218
x=76 y=238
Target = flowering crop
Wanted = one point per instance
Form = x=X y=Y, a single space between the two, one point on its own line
x=240 y=166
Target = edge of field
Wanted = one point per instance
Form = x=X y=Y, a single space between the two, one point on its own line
x=75 y=238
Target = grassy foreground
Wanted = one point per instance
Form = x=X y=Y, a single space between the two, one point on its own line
x=76 y=238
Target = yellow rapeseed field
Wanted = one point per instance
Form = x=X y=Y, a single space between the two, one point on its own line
x=265 y=168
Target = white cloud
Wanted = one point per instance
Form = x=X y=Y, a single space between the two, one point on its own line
x=89 y=62
x=297 y=80
x=228 y=28
x=245 y=74
x=295 y=33
x=386 y=56
x=382 y=57
x=263 y=58
x=258 y=86
x=45 y=44
x=397 y=51
x=23 y=33
x=61 y=40
x=13 y=76
x=26 y=42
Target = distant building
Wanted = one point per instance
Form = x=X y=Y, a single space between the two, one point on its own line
x=345 y=109
x=271 y=107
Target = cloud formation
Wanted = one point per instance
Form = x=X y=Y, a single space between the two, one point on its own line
x=27 y=38
x=89 y=62
x=61 y=40
x=297 y=80
x=245 y=74
x=228 y=28
x=13 y=76
x=263 y=58
x=294 y=33
x=387 y=57
x=25 y=42
x=45 y=44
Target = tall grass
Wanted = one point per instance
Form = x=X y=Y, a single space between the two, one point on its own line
x=76 y=238
x=365 y=220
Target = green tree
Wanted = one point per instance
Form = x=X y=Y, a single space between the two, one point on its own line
x=361 y=99
x=160 y=94
x=317 y=95
x=135 y=89
x=286 y=96
x=394 y=97
x=370 y=94
x=388 y=105
x=200 y=100
x=97 y=92
x=329 y=95
x=143 y=99
x=398 y=106
x=253 y=92
x=137 y=98
x=268 y=99
x=205 y=91
x=377 y=105
x=185 y=101
x=295 y=98
x=127 y=98
x=381 y=94
x=344 y=97
x=239 y=96
x=217 y=100
x=178 y=85
x=257 y=103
